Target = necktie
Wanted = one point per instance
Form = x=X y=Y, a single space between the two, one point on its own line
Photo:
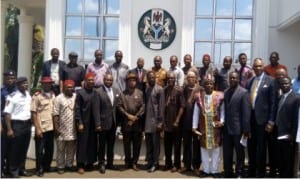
x=253 y=91
x=111 y=97
x=140 y=75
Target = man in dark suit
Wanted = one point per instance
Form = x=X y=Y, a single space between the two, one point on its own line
x=262 y=98
x=287 y=123
x=53 y=68
x=105 y=107
x=140 y=74
x=236 y=125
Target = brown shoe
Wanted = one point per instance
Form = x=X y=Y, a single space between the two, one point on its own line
x=80 y=171
x=197 y=172
x=174 y=169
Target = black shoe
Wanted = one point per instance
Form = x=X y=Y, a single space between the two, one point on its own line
x=40 y=173
x=203 y=174
x=152 y=169
x=112 y=167
x=167 y=167
x=216 y=175
x=24 y=173
x=60 y=171
x=71 y=169
x=135 y=168
x=49 y=170
x=102 y=169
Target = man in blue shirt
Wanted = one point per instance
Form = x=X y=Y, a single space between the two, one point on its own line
x=8 y=88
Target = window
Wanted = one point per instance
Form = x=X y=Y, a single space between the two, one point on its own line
x=223 y=27
x=91 y=25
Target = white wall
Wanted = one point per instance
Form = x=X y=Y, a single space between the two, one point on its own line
x=139 y=7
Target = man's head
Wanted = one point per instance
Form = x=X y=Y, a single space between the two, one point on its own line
x=69 y=87
x=73 y=56
x=258 y=66
x=227 y=61
x=285 y=84
x=118 y=56
x=280 y=73
x=173 y=61
x=140 y=63
x=191 y=78
x=209 y=82
x=54 y=54
x=274 y=58
x=242 y=59
x=9 y=78
x=98 y=56
x=171 y=78
x=89 y=80
x=157 y=62
x=187 y=60
x=131 y=80
x=108 y=80
x=151 y=78
x=46 y=82
x=233 y=79
x=22 y=84
x=206 y=60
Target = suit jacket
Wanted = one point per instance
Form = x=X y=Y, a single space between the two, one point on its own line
x=141 y=84
x=47 y=68
x=287 y=116
x=104 y=111
x=237 y=111
x=155 y=104
x=265 y=107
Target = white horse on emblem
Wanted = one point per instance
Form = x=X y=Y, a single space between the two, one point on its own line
x=166 y=28
x=147 y=25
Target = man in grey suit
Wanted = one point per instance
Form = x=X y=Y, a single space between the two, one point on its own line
x=262 y=98
x=105 y=106
x=236 y=112
x=155 y=102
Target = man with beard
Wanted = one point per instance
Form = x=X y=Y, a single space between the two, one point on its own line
x=86 y=135
x=99 y=68
x=105 y=109
x=191 y=145
x=174 y=107
x=132 y=108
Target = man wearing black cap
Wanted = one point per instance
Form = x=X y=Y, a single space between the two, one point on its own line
x=18 y=122
x=132 y=108
x=73 y=71
x=8 y=88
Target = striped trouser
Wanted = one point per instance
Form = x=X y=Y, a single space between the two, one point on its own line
x=65 y=153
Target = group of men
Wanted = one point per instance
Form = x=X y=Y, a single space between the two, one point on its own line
x=204 y=109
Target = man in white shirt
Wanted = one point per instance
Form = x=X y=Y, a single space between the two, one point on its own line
x=175 y=69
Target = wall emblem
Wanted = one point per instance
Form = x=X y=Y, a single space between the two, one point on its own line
x=157 y=29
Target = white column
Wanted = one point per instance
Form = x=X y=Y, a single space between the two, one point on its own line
x=261 y=29
x=125 y=32
x=188 y=26
x=25 y=45
x=54 y=27
x=4 y=7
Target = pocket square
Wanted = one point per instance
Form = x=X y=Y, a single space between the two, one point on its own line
x=265 y=86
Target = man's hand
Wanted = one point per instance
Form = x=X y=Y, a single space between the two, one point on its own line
x=218 y=124
x=246 y=134
x=38 y=133
x=98 y=129
x=10 y=133
x=175 y=124
x=269 y=128
x=197 y=132
x=80 y=128
x=132 y=117
x=56 y=133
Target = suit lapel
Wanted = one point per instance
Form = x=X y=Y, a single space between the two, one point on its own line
x=234 y=95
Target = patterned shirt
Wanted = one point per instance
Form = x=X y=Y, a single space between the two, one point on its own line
x=99 y=71
x=64 y=108
x=160 y=76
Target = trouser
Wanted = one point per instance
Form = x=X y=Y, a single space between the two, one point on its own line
x=106 y=141
x=257 y=149
x=273 y=151
x=4 y=147
x=152 y=148
x=132 y=141
x=191 y=149
x=230 y=143
x=214 y=155
x=286 y=156
x=44 y=150
x=297 y=161
x=172 y=140
x=18 y=146
x=65 y=153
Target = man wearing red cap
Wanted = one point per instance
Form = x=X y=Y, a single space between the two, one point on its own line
x=86 y=135
x=65 y=128
x=41 y=109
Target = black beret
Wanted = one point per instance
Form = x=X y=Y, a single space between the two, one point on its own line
x=9 y=73
x=21 y=80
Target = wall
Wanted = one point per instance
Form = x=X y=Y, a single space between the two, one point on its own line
x=139 y=7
